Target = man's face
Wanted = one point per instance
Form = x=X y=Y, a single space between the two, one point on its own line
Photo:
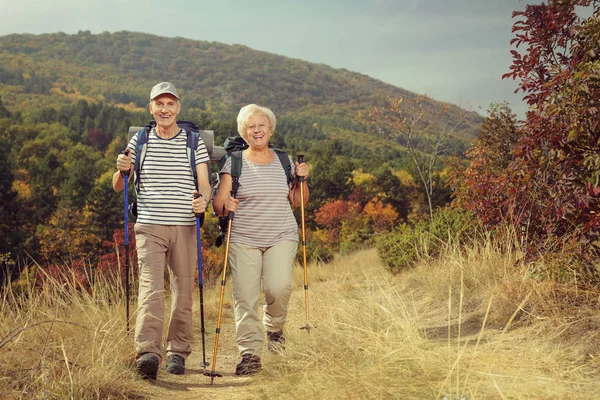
x=164 y=109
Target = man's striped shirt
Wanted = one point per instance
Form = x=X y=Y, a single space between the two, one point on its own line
x=166 y=180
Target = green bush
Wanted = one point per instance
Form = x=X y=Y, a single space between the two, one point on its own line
x=355 y=235
x=405 y=245
x=399 y=249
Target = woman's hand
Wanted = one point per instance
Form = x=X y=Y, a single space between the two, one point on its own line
x=231 y=204
x=302 y=169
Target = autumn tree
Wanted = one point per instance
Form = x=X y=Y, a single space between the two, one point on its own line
x=396 y=193
x=553 y=179
x=67 y=235
x=483 y=186
x=382 y=216
x=409 y=121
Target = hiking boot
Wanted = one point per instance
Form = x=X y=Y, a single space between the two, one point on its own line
x=147 y=366
x=249 y=365
x=275 y=342
x=175 y=364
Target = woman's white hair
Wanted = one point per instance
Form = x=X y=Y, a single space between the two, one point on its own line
x=248 y=111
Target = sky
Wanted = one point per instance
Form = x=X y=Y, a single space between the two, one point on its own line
x=451 y=50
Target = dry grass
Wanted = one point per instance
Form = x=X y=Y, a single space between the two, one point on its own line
x=470 y=325
x=59 y=341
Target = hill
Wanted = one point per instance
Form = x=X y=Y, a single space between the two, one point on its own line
x=68 y=101
x=118 y=68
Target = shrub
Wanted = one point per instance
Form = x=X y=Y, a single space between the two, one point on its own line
x=404 y=246
x=318 y=247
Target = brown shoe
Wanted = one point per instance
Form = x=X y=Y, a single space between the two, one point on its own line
x=249 y=365
x=275 y=342
x=147 y=366
x=175 y=364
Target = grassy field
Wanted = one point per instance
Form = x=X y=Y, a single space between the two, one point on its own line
x=475 y=324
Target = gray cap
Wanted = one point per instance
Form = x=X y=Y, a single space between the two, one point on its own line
x=162 y=88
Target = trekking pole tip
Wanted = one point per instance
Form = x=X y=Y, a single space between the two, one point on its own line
x=308 y=327
x=213 y=375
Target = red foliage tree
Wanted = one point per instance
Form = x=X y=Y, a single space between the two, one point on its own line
x=333 y=214
x=483 y=186
x=550 y=188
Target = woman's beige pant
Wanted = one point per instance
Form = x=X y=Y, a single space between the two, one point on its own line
x=251 y=267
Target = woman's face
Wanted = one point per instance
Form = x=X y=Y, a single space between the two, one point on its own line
x=258 y=131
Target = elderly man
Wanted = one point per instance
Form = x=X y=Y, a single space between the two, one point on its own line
x=165 y=231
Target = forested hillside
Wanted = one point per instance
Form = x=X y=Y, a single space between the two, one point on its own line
x=67 y=102
x=119 y=68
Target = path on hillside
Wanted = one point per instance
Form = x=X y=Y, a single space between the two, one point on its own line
x=194 y=384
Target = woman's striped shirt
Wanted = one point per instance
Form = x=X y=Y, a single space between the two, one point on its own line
x=264 y=216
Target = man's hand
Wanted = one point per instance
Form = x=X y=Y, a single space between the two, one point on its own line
x=198 y=203
x=124 y=162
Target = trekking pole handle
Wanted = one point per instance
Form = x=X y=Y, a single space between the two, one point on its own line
x=300 y=161
x=230 y=213
x=125 y=174
x=201 y=215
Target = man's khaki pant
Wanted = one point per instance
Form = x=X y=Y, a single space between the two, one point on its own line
x=174 y=246
x=251 y=266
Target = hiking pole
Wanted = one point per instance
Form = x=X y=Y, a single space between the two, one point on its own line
x=126 y=213
x=199 y=223
x=308 y=327
x=213 y=373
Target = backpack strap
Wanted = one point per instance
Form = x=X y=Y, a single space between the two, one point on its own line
x=236 y=171
x=140 y=154
x=285 y=163
x=191 y=146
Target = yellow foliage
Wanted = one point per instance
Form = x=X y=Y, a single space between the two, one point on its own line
x=361 y=178
x=405 y=177
x=383 y=216
x=75 y=96
x=23 y=190
x=67 y=234
x=130 y=107
x=444 y=172
x=320 y=235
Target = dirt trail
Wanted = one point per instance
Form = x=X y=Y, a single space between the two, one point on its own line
x=194 y=384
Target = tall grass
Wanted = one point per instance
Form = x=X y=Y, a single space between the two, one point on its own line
x=59 y=340
x=468 y=325
x=474 y=323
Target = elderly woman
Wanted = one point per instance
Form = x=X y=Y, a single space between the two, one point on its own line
x=263 y=237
